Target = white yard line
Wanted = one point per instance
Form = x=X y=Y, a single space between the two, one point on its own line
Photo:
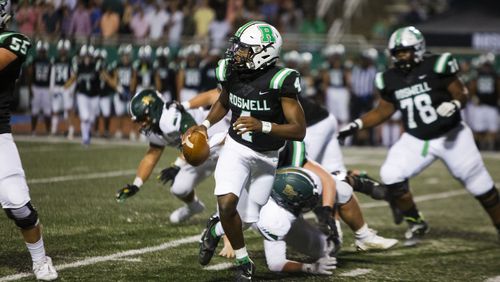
x=356 y=272
x=94 y=260
x=493 y=279
x=73 y=177
x=219 y=266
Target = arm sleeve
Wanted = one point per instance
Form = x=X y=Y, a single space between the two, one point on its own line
x=381 y=87
x=17 y=44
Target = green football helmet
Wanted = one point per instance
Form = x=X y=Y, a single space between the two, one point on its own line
x=146 y=108
x=295 y=190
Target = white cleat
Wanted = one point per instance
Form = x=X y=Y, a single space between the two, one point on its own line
x=374 y=243
x=186 y=212
x=44 y=270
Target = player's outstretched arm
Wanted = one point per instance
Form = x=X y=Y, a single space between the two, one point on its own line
x=378 y=115
x=203 y=99
x=144 y=170
x=217 y=112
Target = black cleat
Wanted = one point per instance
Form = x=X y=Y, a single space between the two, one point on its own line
x=416 y=232
x=245 y=271
x=208 y=242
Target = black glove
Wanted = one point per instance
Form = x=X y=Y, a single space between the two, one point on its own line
x=126 y=192
x=347 y=130
x=326 y=222
x=177 y=104
x=169 y=174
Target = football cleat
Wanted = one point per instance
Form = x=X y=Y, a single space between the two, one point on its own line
x=245 y=271
x=208 y=242
x=373 y=242
x=186 y=212
x=415 y=233
x=44 y=270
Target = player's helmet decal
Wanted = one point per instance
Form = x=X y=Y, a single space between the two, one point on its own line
x=145 y=108
x=254 y=46
x=295 y=190
x=407 y=38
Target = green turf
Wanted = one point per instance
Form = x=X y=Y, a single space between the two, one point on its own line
x=81 y=220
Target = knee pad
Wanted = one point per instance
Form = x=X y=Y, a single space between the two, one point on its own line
x=344 y=192
x=397 y=190
x=489 y=199
x=25 y=217
x=180 y=190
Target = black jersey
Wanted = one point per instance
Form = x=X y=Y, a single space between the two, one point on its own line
x=18 y=44
x=124 y=73
x=293 y=154
x=336 y=76
x=258 y=95
x=61 y=71
x=144 y=71
x=487 y=91
x=208 y=79
x=419 y=92
x=100 y=85
x=167 y=78
x=313 y=112
x=86 y=76
x=192 y=78
x=41 y=72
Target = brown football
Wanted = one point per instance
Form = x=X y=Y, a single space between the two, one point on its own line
x=195 y=148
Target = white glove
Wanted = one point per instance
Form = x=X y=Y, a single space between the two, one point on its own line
x=323 y=266
x=446 y=109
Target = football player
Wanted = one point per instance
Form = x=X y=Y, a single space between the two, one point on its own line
x=265 y=111
x=163 y=124
x=164 y=74
x=104 y=85
x=39 y=83
x=87 y=98
x=425 y=88
x=124 y=76
x=189 y=74
x=62 y=96
x=14 y=192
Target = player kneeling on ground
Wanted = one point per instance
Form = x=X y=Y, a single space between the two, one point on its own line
x=163 y=124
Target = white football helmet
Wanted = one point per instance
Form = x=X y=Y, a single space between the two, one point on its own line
x=407 y=38
x=125 y=50
x=162 y=52
x=334 y=50
x=86 y=50
x=5 y=13
x=292 y=57
x=145 y=52
x=63 y=44
x=255 y=45
x=42 y=46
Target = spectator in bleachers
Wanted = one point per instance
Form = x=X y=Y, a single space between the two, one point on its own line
x=49 y=20
x=290 y=18
x=158 y=19
x=126 y=17
x=175 y=24
x=80 y=21
x=110 y=23
x=362 y=92
x=95 y=17
x=269 y=9
x=203 y=16
x=139 y=24
x=312 y=24
x=65 y=20
x=26 y=18
x=219 y=30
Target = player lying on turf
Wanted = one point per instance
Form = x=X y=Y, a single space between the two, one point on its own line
x=279 y=215
x=163 y=124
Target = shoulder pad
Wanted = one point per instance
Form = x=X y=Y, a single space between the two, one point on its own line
x=445 y=64
x=15 y=42
x=221 y=70
x=279 y=77
x=379 y=81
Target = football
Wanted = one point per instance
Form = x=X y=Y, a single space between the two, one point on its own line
x=195 y=148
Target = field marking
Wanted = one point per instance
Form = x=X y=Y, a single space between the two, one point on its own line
x=356 y=272
x=493 y=279
x=219 y=266
x=124 y=254
x=73 y=177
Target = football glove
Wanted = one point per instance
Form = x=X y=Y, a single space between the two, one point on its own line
x=169 y=174
x=323 y=266
x=178 y=105
x=326 y=223
x=447 y=109
x=126 y=192
x=349 y=130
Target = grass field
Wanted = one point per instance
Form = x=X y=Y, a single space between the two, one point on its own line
x=90 y=236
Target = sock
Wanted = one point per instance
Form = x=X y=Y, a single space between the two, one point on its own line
x=412 y=215
x=217 y=230
x=37 y=250
x=241 y=255
x=363 y=232
x=55 y=123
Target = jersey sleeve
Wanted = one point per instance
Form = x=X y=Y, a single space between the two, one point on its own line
x=287 y=81
x=381 y=87
x=294 y=154
x=446 y=66
x=17 y=43
x=221 y=72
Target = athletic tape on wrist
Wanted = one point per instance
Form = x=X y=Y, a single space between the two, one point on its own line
x=138 y=181
x=266 y=127
x=206 y=123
